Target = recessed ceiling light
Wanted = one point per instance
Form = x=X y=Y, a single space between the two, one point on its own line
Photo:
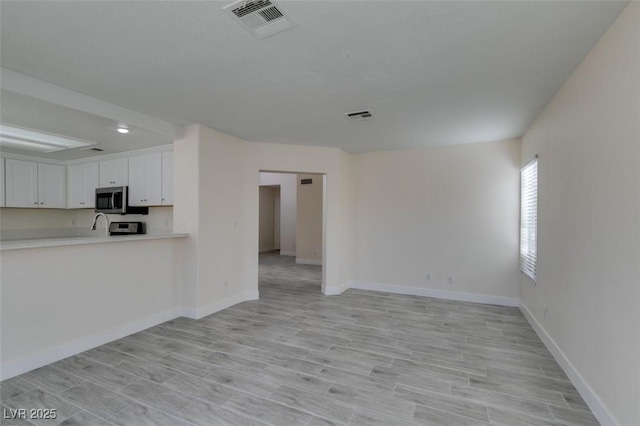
x=123 y=130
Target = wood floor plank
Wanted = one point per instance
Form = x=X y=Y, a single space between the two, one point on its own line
x=297 y=357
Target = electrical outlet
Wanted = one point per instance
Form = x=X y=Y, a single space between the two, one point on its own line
x=73 y=222
x=450 y=279
x=546 y=311
x=428 y=276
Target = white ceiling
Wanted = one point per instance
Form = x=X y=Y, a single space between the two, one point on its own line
x=433 y=73
x=30 y=113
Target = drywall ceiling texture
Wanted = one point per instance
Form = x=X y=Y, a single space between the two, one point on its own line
x=440 y=211
x=587 y=140
x=26 y=112
x=433 y=73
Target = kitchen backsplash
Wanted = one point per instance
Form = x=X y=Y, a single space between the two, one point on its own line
x=159 y=218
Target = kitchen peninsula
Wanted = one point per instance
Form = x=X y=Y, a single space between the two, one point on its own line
x=61 y=296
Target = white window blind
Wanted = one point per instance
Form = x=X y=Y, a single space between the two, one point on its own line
x=529 y=219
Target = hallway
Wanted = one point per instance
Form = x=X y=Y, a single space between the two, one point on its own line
x=282 y=274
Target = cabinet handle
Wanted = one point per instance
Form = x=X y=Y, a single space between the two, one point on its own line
x=36 y=203
x=42 y=202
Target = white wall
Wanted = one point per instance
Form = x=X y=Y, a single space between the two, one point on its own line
x=288 y=205
x=444 y=211
x=588 y=142
x=186 y=212
x=336 y=165
x=221 y=210
x=266 y=229
x=63 y=300
x=223 y=221
x=309 y=220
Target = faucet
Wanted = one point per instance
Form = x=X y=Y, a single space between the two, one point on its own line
x=106 y=226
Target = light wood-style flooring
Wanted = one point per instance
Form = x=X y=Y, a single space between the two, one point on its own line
x=296 y=357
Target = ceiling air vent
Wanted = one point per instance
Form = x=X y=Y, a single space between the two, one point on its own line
x=359 y=115
x=94 y=149
x=262 y=18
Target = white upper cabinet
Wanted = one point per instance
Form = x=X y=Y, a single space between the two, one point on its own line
x=51 y=186
x=1 y=182
x=21 y=183
x=114 y=172
x=82 y=181
x=167 y=178
x=31 y=184
x=145 y=180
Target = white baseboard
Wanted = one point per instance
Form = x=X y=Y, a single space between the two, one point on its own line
x=309 y=261
x=287 y=253
x=438 y=294
x=604 y=416
x=47 y=356
x=212 y=308
x=264 y=250
x=334 y=290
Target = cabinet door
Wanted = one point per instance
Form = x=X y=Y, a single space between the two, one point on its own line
x=167 y=178
x=90 y=184
x=153 y=179
x=145 y=180
x=1 y=182
x=51 y=186
x=21 y=183
x=107 y=173
x=136 y=180
x=114 y=172
x=76 y=195
x=82 y=181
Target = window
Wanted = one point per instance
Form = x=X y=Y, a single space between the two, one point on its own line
x=529 y=219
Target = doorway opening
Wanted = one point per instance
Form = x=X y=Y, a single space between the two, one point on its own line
x=291 y=232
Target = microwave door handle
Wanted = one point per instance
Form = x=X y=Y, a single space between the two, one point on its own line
x=113 y=200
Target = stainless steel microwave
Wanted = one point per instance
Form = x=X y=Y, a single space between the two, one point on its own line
x=115 y=200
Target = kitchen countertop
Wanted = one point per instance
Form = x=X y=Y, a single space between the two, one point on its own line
x=75 y=240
